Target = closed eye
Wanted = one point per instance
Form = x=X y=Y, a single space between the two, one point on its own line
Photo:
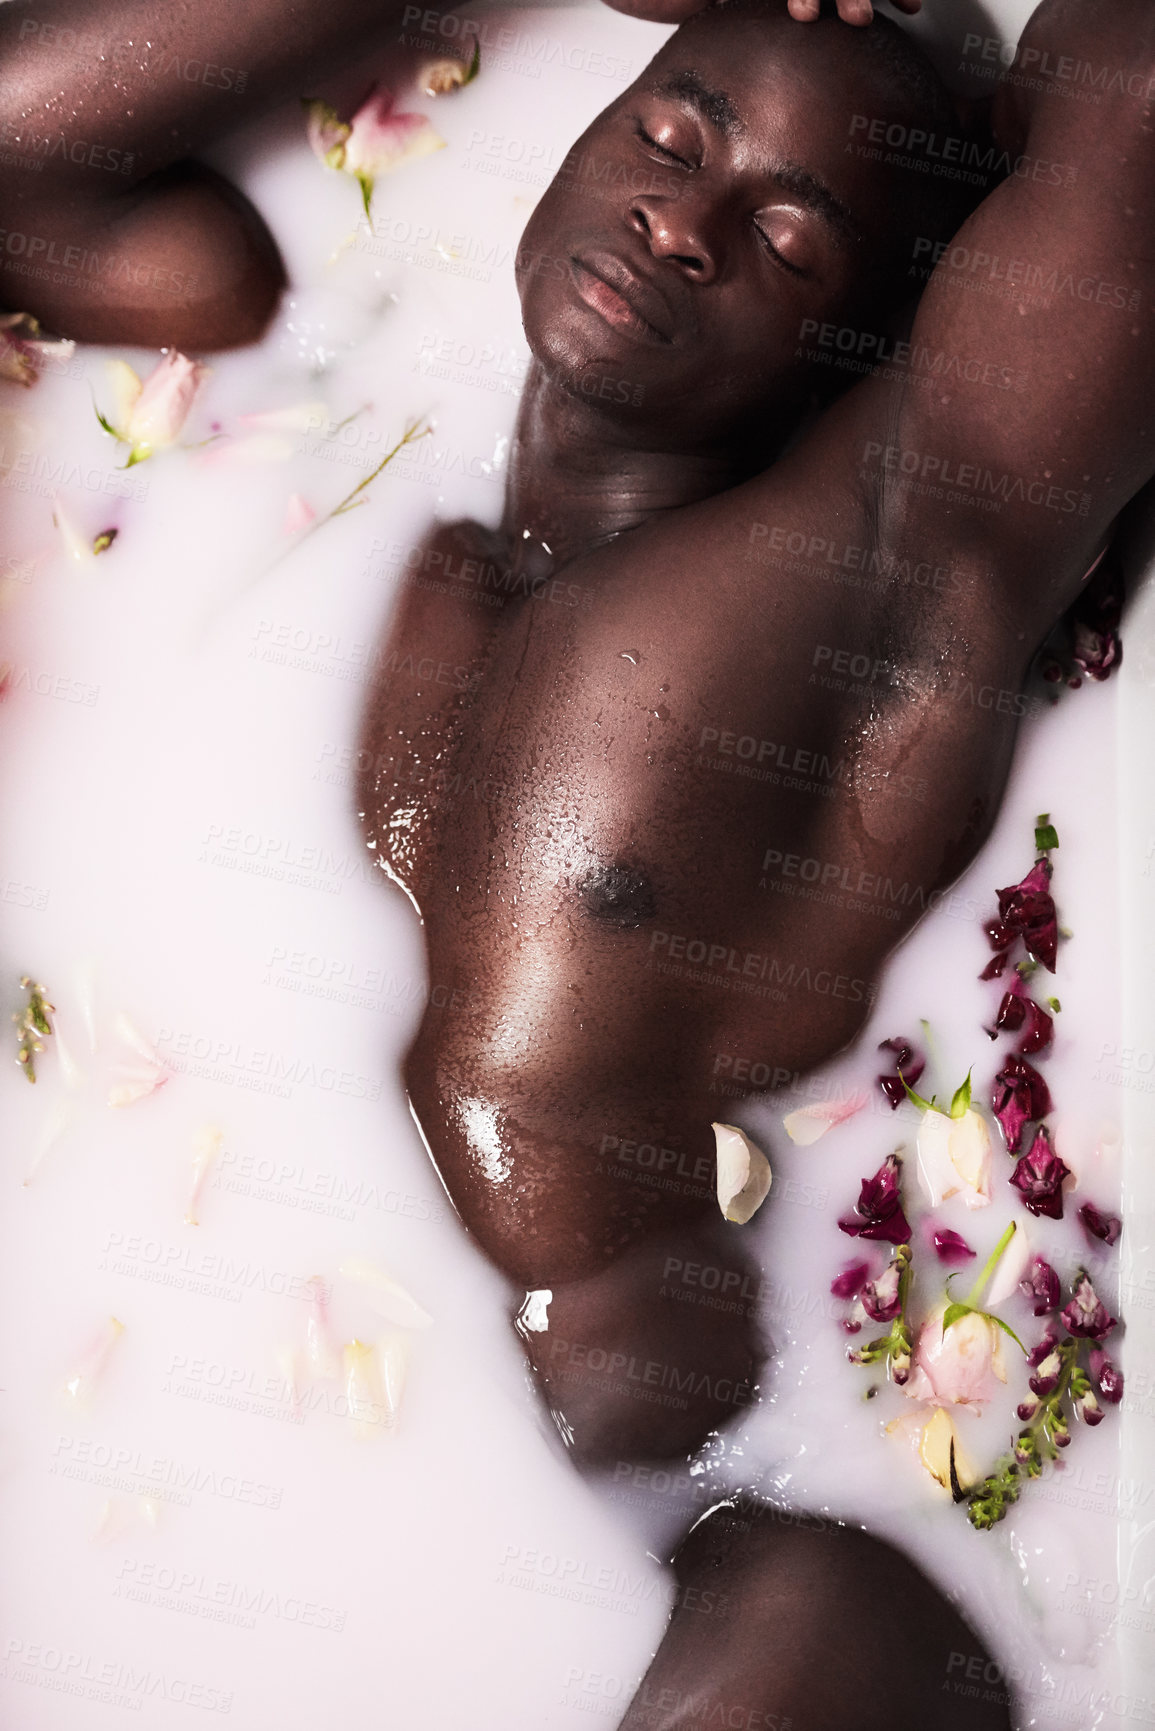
x=662 y=150
x=780 y=258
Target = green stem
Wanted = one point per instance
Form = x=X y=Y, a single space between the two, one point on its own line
x=992 y=1263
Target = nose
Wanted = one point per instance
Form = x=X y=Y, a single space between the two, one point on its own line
x=675 y=229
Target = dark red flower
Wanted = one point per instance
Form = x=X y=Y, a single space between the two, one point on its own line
x=1042 y=1287
x=1039 y=1176
x=950 y=1247
x=1027 y=911
x=851 y=1281
x=878 y=1212
x=907 y=1060
x=1087 y=1315
x=1045 y=1346
x=1019 y=1097
x=1020 y=1012
x=1107 y=1376
x=1104 y=1226
x=1097 y=649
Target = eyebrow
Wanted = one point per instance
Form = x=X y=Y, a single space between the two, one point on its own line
x=713 y=105
x=816 y=196
x=718 y=109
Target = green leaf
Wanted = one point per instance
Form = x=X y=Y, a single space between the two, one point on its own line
x=1046 y=836
x=1054 y=1004
x=961 y=1103
x=952 y=1314
x=107 y=425
x=916 y=1099
x=999 y=1323
x=366 y=185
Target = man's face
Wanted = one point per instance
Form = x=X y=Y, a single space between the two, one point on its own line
x=712 y=209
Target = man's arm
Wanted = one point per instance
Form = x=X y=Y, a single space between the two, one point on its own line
x=108 y=233
x=1052 y=284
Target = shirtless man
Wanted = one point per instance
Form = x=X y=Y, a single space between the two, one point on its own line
x=610 y=846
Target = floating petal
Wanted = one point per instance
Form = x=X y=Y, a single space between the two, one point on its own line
x=808 y=1123
x=744 y=1175
x=207 y=1143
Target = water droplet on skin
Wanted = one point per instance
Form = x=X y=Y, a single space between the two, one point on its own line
x=632 y=656
x=662 y=713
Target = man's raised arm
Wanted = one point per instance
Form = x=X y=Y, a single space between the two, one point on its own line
x=1052 y=282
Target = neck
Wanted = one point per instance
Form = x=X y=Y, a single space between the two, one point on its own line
x=578 y=478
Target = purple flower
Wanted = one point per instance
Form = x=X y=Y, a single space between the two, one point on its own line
x=1107 y=1376
x=1042 y=1286
x=1104 y=1226
x=1045 y=1346
x=950 y=1246
x=1028 y=911
x=1047 y=1372
x=908 y=1063
x=1039 y=1177
x=1027 y=1409
x=879 y=1207
x=880 y=1298
x=1020 y=1096
x=851 y=1281
x=1087 y=1315
x=1018 y=1012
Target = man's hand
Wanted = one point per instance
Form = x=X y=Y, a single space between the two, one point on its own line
x=850 y=11
x=806 y=11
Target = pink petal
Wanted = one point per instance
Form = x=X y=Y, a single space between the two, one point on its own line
x=166 y=397
x=298 y=514
x=381 y=140
x=810 y=1122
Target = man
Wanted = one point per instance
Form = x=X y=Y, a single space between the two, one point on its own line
x=722 y=557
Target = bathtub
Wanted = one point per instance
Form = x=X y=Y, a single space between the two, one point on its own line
x=205 y=1524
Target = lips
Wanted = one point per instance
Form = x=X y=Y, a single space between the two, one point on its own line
x=624 y=299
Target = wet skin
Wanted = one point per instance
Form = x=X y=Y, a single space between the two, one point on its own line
x=615 y=912
x=627 y=915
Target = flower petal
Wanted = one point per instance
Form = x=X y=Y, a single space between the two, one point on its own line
x=207 y=1143
x=744 y=1175
x=808 y=1123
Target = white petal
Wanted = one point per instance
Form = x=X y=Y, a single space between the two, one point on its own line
x=77 y=545
x=125 y=387
x=297 y=418
x=131 y=1083
x=85 y=1378
x=1011 y=1269
x=744 y=1175
x=935 y=1167
x=207 y=1143
x=810 y=1122
x=970 y=1154
x=938 y=1438
x=386 y=1296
